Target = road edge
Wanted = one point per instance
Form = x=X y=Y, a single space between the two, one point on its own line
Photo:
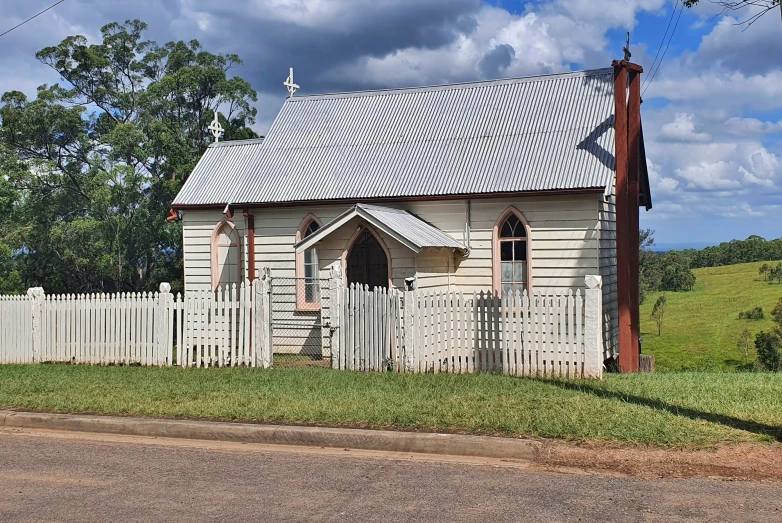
x=378 y=440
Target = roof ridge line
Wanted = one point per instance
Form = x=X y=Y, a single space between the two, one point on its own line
x=445 y=140
x=456 y=85
x=233 y=143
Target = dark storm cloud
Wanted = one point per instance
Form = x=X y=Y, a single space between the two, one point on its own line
x=496 y=60
x=269 y=35
x=269 y=44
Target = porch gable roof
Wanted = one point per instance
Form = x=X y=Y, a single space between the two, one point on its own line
x=406 y=228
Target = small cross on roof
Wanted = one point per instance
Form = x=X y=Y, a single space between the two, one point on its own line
x=216 y=129
x=292 y=87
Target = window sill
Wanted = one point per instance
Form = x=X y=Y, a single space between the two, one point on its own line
x=315 y=307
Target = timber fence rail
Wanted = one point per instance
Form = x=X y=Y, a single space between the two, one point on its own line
x=16 y=329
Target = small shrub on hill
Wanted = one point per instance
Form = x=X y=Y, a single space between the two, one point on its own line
x=658 y=313
x=677 y=277
x=753 y=314
x=767 y=345
x=744 y=345
x=776 y=313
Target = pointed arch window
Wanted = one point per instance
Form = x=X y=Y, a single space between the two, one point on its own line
x=511 y=267
x=226 y=255
x=307 y=268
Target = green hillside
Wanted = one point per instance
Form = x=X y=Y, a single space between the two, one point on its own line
x=702 y=327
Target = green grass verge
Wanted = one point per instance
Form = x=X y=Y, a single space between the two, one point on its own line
x=702 y=327
x=666 y=409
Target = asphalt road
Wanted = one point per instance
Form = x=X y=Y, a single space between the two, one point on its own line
x=46 y=476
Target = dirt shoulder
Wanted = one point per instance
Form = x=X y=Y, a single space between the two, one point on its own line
x=762 y=462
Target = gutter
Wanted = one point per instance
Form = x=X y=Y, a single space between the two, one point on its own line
x=353 y=201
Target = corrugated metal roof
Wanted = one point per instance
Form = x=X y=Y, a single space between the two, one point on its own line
x=408 y=229
x=218 y=169
x=526 y=134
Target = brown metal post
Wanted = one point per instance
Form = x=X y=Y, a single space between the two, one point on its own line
x=250 y=244
x=633 y=181
x=627 y=130
x=622 y=240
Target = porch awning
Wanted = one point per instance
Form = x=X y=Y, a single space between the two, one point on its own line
x=406 y=228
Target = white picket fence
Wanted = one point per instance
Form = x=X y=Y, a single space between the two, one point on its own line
x=370 y=330
x=216 y=328
x=547 y=335
x=201 y=329
x=16 y=341
x=554 y=335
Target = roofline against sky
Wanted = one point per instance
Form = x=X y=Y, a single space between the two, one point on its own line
x=522 y=79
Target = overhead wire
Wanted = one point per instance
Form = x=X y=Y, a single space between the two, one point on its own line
x=654 y=74
x=662 y=40
x=34 y=16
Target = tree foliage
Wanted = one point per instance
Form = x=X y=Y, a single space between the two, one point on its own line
x=750 y=10
x=767 y=345
x=668 y=271
x=658 y=313
x=756 y=313
x=91 y=166
x=744 y=344
x=753 y=249
x=671 y=270
x=776 y=313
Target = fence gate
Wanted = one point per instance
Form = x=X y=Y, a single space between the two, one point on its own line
x=300 y=335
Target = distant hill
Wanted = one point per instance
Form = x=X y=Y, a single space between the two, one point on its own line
x=680 y=246
x=701 y=326
x=753 y=249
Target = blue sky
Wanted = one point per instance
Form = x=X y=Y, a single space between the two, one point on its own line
x=712 y=116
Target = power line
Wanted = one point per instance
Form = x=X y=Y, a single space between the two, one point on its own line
x=34 y=16
x=662 y=41
x=664 y=52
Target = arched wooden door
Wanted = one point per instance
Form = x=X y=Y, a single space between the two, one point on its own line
x=367 y=263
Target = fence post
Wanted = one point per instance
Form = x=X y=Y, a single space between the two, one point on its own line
x=36 y=305
x=161 y=329
x=593 y=332
x=335 y=307
x=410 y=337
x=263 y=343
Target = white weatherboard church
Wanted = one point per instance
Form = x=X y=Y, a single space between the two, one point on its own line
x=498 y=185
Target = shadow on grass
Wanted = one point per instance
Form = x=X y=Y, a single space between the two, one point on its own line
x=771 y=431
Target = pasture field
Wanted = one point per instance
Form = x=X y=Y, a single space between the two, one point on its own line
x=701 y=327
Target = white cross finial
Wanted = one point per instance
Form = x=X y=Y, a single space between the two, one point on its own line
x=216 y=129
x=292 y=87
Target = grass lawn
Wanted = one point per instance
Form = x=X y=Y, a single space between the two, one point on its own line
x=666 y=409
x=702 y=327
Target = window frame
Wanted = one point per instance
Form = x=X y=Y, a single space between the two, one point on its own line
x=301 y=303
x=215 y=254
x=496 y=245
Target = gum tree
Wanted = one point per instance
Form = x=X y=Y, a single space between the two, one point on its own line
x=106 y=151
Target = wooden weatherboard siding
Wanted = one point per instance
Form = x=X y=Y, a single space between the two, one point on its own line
x=608 y=270
x=197 y=228
x=565 y=236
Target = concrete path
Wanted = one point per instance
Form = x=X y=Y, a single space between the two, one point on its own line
x=54 y=476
